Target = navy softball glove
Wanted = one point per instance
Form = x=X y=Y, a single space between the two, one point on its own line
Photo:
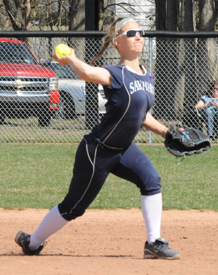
x=184 y=141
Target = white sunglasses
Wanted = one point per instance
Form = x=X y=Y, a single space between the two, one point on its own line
x=131 y=33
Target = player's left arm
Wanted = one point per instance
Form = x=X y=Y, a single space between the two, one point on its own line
x=154 y=125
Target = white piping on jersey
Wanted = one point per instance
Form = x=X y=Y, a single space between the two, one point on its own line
x=93 y=172
x=128 y=93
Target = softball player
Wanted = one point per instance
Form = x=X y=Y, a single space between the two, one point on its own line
x=109 y=148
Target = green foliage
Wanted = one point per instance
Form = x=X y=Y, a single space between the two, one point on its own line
x=38 y=176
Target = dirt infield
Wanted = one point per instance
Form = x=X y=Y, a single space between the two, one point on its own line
x=105 y=242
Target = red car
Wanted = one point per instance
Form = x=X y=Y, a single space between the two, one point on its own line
x=26 y=88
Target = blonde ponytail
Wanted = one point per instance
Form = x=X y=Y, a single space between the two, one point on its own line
x=108 y=39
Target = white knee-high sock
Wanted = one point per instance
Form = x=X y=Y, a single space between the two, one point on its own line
x=51 y=223
x=152 y=210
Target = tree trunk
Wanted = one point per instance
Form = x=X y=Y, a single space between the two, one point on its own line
x=76 y=22
x=14 y=13
x=166 y=60
x=206 y=15
x=27 y=15
x=27 y=19
x=77 y=15
x=207 y=48
x=187 y=62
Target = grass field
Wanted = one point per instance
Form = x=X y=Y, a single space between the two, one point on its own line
x=38 y=176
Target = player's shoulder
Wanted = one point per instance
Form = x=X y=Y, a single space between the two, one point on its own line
x=115 y=71
x=113 y=67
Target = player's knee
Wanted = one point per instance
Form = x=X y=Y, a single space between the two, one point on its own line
x=70 y=213
x=151 y=187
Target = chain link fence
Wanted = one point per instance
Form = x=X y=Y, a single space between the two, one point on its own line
x=41 y=101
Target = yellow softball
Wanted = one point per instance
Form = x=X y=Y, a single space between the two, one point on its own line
x=62 y=50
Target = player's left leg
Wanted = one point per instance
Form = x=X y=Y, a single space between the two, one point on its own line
x=136 y=167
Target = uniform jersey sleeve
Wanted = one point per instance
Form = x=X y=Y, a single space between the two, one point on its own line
x=205 y=99
x=116 y=76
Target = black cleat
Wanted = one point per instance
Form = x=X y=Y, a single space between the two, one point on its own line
x=23 y=240
x=160 y=250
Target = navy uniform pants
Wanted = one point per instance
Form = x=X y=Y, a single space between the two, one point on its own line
x=92 y=165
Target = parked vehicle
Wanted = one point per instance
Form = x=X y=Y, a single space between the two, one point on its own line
x=26 y=88
x=72 y=92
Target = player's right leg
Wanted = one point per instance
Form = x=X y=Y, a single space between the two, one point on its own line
x=23 y=240
x=33 y=244
x=92 y=165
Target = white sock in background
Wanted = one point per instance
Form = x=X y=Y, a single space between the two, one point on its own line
x=51 y=223
x=152 y=211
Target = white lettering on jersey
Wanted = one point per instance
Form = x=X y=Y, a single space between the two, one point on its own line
x=138 y=85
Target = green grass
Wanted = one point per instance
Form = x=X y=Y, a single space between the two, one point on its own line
x=38 y=176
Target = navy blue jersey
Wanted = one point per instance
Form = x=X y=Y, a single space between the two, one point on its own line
x=109 y=147
x=129 y=99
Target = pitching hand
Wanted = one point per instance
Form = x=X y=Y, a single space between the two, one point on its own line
x=63 y=60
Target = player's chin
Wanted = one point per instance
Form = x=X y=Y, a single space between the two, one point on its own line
x=138 y=48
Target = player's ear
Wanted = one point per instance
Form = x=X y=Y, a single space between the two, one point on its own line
x=115 y=42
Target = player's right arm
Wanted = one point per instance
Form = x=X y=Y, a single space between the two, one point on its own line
x=83 y=70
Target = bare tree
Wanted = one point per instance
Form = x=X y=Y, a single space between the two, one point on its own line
x=27 y=15
x=77 y=15
x=45 y=14
x=185 y=56
x=186 y=92
x=14 y=11
x=166 y=59
x=207 y=53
